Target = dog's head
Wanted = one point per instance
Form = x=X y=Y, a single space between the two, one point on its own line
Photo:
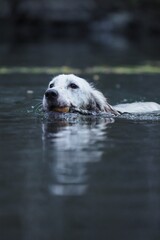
x=68 y=92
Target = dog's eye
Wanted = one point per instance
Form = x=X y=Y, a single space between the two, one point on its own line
x=51 y=85
x=73 y=86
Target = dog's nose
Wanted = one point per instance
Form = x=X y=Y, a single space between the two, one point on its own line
x=51 y=94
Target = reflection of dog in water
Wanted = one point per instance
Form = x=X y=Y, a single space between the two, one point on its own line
x=70 y=148
x=69 y=93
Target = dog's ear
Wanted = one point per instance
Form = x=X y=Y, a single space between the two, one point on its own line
x=99 y=103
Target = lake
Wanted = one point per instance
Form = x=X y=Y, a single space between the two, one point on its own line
x=82 y=178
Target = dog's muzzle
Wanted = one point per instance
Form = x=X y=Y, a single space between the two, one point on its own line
x=51 y=96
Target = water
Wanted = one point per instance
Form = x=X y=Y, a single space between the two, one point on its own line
x=82 y=178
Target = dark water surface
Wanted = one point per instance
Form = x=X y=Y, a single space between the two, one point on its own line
x=82 y=179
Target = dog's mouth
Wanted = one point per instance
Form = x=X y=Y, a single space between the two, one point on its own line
x=68 y=109
x=62 y=108
x=71 y=109
x=59 y=109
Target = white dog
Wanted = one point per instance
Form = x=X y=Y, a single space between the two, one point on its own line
x=69 y=93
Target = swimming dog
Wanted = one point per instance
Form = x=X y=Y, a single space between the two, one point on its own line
x=69 y=93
